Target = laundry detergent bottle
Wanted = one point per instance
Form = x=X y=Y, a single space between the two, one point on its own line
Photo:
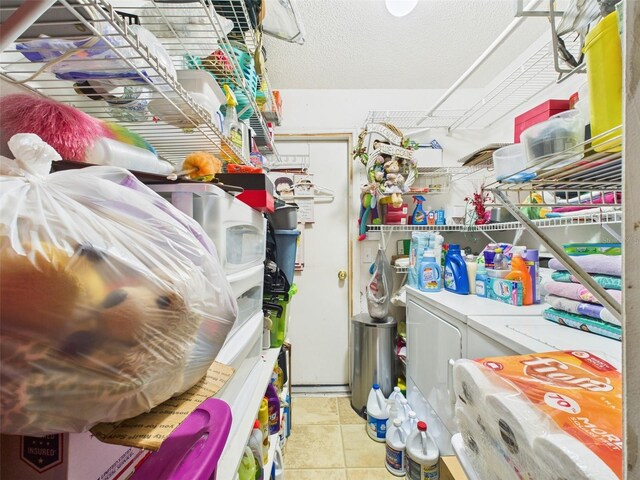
x=422 y=455
x=419 y=216
x=455 y=271
x=395 y=458
x=520 y=272
x=430 y=276
x=377 y=414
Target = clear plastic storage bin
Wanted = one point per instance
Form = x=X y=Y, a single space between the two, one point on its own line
x=237 y=230
x=247 y=288
x=562 y=132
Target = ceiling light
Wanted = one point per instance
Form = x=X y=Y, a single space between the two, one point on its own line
x=400 y=8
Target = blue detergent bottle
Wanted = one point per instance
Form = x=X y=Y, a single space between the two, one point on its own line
x=455 y=271
x=419 y=216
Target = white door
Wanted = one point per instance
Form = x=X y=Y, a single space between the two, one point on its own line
x=319 y=328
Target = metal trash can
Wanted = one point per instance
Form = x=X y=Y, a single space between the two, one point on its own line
x=372 y=358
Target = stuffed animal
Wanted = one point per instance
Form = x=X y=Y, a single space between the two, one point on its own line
x=76 y=337
x=368 y=208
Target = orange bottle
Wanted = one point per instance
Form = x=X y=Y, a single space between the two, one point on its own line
x=520 y=273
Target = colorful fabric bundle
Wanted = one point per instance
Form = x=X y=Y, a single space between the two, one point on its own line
x=581 y=308
x=575 y=291
x=584 y=323
x=605 y=281
x=598 y=264
x=608 y=198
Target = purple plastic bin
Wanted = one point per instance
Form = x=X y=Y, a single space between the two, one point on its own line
x=193 y=449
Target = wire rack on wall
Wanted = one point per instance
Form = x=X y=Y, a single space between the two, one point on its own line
x=132 y=81
x=587 y=175
x=530 y=77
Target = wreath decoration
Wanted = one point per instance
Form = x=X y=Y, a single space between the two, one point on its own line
x=391 y=168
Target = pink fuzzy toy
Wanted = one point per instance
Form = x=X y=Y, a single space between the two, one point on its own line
x=68 y=130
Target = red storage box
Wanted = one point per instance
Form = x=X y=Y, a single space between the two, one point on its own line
x=396 y=216
x=538 y=114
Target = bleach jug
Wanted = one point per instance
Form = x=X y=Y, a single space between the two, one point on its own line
x=410 y=424
x=395 y=458
x=377 y=414
x=422 y=455
x=396 y=395
x=455 y=271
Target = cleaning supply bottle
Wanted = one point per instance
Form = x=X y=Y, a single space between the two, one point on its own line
x=247 y=468
x=274 y=409
x=430 y=276
x=431 y=216
x=520 y=273
x=256 y=445
x=394 y=410
x=481 y=281
x=231 y=125
x=500 y=262
x=396 y=395
x=472 y=268
x=532 y=259
x=377 y=414
x=403 y=413
x=263 y=416
x=455 y=271
x=396 y=449
x=410 y=425
x=422 y=455
x=419 y=216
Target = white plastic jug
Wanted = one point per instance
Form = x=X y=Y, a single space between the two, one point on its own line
x=410 y=424
x=396 y=395
x=395 y=459
x=377 y=414
x=422 y=455
x=393 y=412
x=403 y=413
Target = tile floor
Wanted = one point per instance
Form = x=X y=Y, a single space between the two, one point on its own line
x=328 y=442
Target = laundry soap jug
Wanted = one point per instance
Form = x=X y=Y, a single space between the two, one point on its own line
x=520 y=273
x=377 y=414
x=263 y=417
x=247 y=468
x=419 y=216
x=455 y=271
x=430 y=279
x=422 y=455
x=395 y=449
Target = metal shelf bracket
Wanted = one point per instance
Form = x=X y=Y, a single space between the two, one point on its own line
x=600 y=293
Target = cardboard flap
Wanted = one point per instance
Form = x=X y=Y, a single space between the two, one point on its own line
x=150 y=429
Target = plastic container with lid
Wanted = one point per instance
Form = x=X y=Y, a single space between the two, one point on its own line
x=603 y=53
x=193 y=449
x=377 y=414
x=509 y=163
x=396 y=443
x=560 y=133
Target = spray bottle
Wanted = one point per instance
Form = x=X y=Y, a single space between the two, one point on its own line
x=419 y=216
x=231 y=126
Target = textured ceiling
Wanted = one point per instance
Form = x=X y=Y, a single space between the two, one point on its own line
x=355 y=44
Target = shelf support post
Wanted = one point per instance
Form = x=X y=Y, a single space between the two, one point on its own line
x=600 y=293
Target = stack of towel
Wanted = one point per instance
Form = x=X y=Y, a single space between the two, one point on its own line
x=540 y=416
x=571 y=304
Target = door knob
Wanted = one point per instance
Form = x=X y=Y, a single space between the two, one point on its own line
x=342 y=274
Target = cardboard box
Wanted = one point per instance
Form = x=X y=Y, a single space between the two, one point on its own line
x=67 y=456
x=538 y=114
x=505 y=291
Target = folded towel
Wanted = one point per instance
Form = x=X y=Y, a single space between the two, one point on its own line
x=605 y=281
x=575 y=291
x=581 y=308
x=580 y=211
x=601 y=264
x=584 y=323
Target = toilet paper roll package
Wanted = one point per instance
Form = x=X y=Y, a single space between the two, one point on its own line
x=111 y=300
x=555 y=415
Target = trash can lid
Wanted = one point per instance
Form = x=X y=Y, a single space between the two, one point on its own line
x=368 y=321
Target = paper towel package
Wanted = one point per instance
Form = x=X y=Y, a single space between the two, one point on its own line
x=555 y=416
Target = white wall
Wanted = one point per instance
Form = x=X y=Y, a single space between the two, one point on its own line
x=339 y=111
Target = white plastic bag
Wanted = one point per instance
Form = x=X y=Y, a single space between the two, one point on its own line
x=112 y=301
x=379 y=287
